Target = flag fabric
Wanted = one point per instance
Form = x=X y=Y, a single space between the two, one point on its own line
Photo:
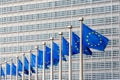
x=2 y=72
x=40 y=55
x=65 y=48
x=26 y=66
x=33 y=60
x=93 y=39
x=8 y=69
x=55 y=54
x=76 y=45
x=19 y=65
x=47 y=57
x=14 y=70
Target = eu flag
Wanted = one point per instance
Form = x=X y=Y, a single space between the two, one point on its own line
x=76 y=45
x=20 y=67
x=93 y=39
x=55 y=54
x=33 y=60
x=26 y=65
x=47 y=57
x=56 y=50
x=2 y=72
x=8 y=69
x=65 y=48
x=14 y=70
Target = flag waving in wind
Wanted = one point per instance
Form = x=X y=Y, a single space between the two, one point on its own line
x=2 y=72
x=55 y=54
x=47 y=58
x=65 y=48
x=33 y=60
x=93 y=39
x=26 y=65
x=76 y=45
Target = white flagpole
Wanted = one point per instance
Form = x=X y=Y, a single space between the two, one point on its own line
x=51 y=69
x=29 y=65
x=44 y=57
x=70 y=52
x=36 y=76
x=16 y=67
x=81 y=52
x=5 y=70
x=23 y=66
x=60 y=57
x=11 y=69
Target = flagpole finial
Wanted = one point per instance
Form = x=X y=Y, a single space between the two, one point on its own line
x=36 y=47
x=70 y=27
x=30 y=51
x=11 y=59
x=60 y=33
x=44 y=43
x=81 y=19
x=52 y=38
x=17 y=56
x=23 y=54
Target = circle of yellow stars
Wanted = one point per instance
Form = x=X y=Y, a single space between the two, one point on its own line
x=94 y=45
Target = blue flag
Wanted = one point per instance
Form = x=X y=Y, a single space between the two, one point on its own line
x=33 y=60
x=93 y=39
x=40 y=57
x=56 y=51
x=47 y=57
x=55 y=54
x=20 y=67
x=76 y=46
x=26 y=65
x=8 y=69
x=14 y=70
x=65 y=48
x=2 y=72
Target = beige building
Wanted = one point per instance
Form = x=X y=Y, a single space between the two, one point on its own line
x=27 y=23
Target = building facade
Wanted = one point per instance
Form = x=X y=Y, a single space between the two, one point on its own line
x=27 y=23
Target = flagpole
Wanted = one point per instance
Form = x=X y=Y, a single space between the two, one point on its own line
x=16 y=67
x=44 y=58
x=36 y=76
x=23 y=66
x=51 y=69
x=6 y=70
x=81 y=56
x=70 y=52
x=29 y=65
x=60 y=57
x=11 y=69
